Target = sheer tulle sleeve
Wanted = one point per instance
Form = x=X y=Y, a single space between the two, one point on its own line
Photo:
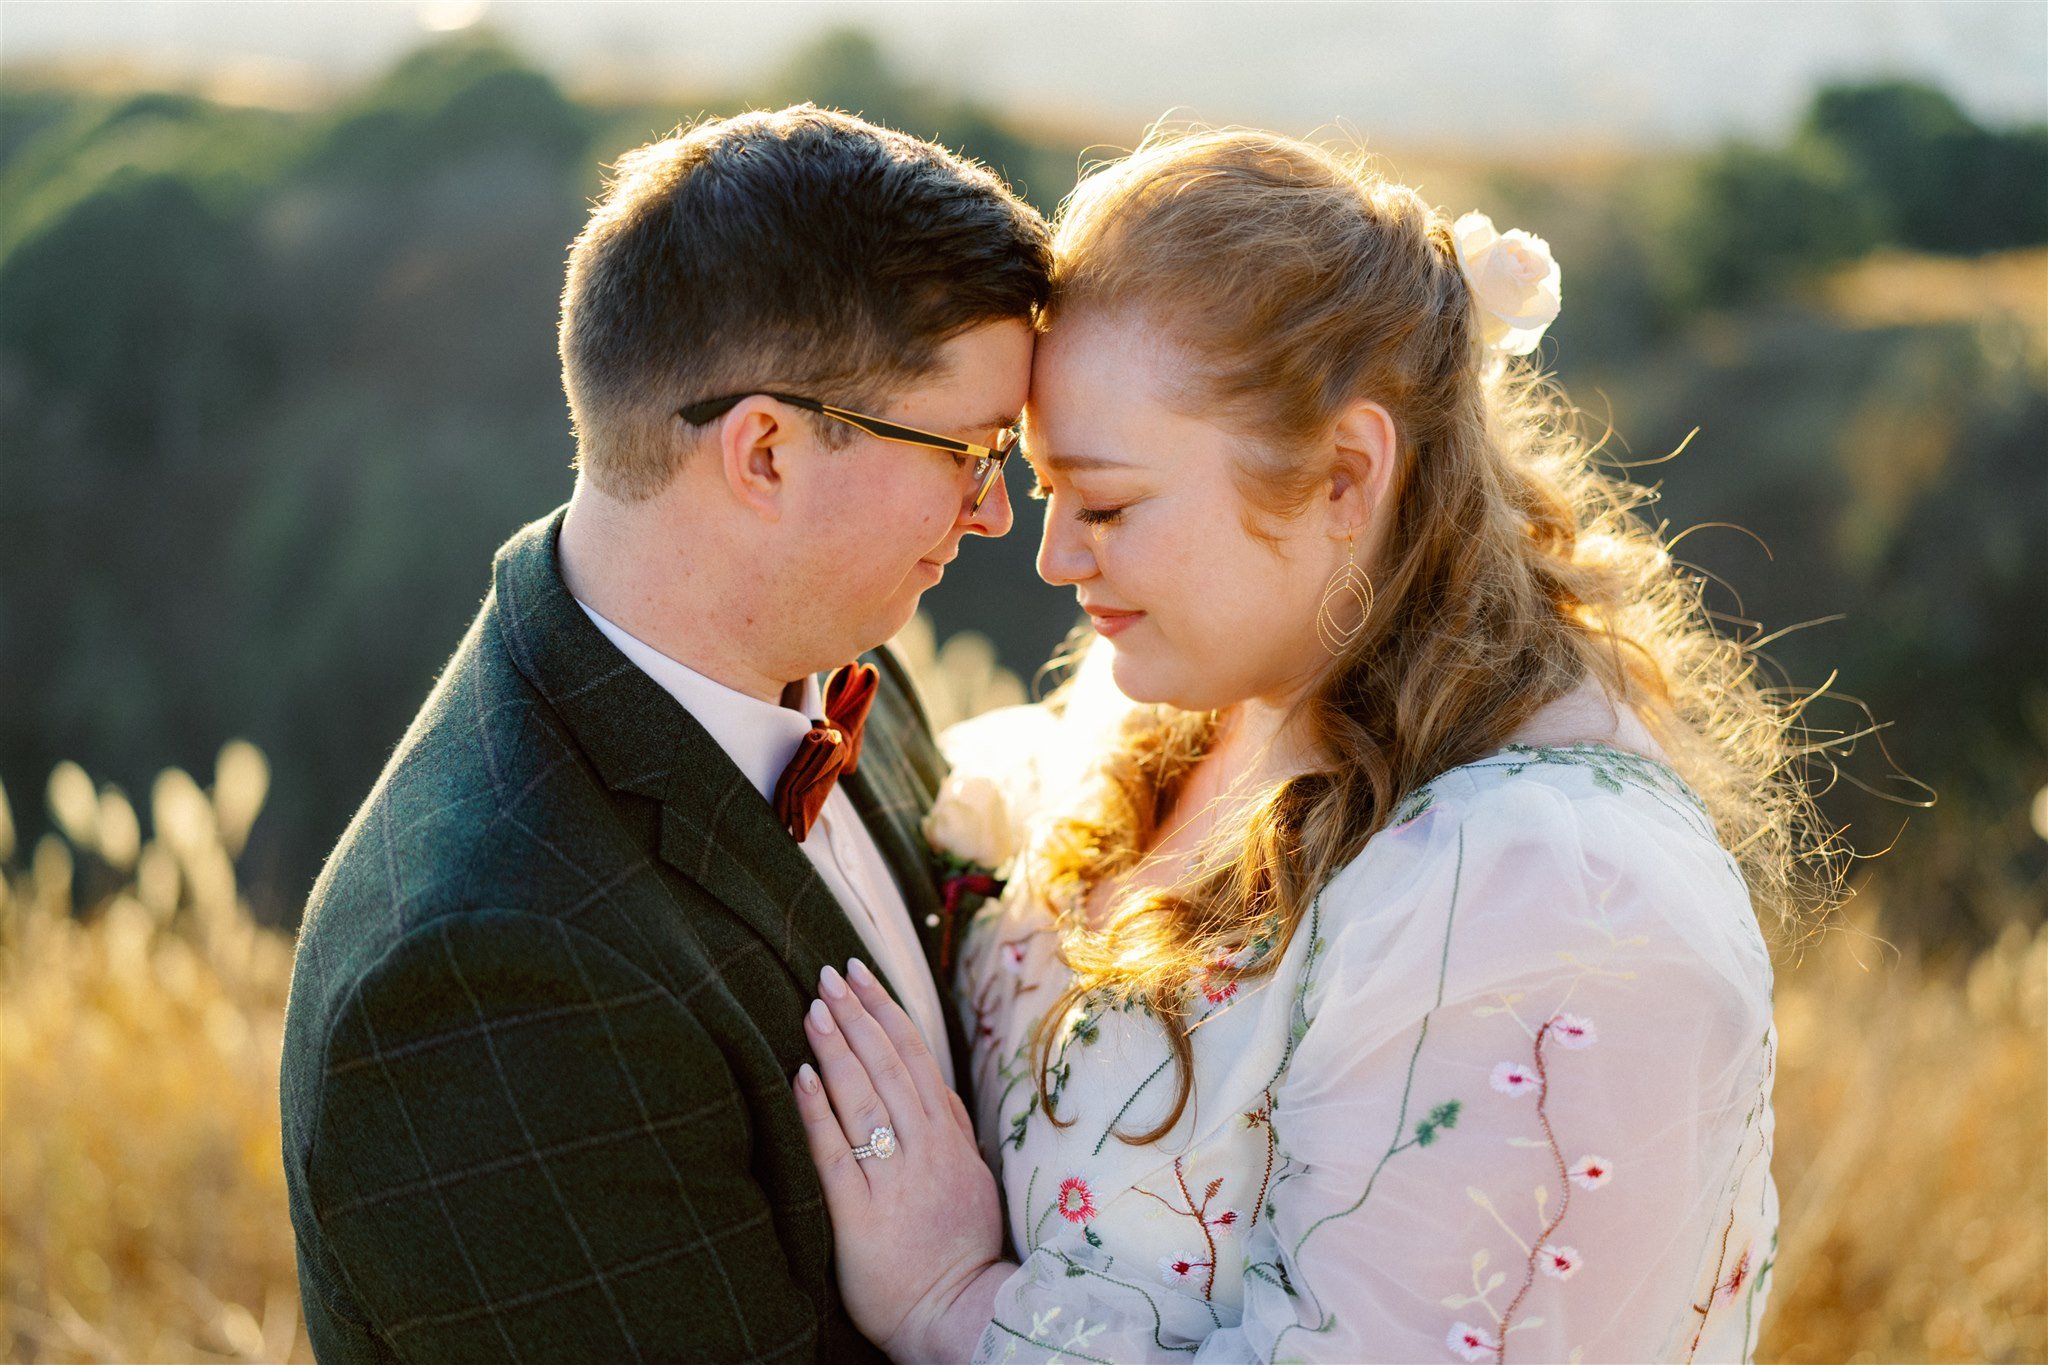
x=1528 y=1115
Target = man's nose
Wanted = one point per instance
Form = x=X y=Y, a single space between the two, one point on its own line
x=994 y=517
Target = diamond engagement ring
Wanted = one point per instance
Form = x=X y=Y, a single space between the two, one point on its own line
x=881 y=1145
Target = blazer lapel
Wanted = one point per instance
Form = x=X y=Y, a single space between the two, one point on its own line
x=715 y=828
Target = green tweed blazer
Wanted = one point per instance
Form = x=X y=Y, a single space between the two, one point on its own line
x=546 y=1009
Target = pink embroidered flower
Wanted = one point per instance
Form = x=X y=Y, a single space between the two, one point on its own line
x=1738 y=1276
x=1077 y=1201
x=1473 y=1343
x=1513 y=1078
x=1592 y=1172
x=1179 y=1269
x=1558 y=1262
x=1013 y=956
x=1574 y=1031
x=1225 y=1221
x=1218 y=980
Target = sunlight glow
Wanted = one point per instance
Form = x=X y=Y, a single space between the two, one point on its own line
x=446 y=16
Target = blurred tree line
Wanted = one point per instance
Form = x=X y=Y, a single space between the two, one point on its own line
x=274 y=385
x=1891 y=163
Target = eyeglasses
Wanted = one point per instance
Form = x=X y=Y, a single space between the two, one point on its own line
x=988 y=460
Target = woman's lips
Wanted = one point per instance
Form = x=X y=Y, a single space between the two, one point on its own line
x=1113 y=623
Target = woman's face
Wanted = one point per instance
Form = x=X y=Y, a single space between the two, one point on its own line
x=1144 y=518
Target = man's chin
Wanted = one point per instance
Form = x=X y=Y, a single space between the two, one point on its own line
x=886 y=626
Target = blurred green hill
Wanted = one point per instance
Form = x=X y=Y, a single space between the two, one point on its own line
x=274 y=384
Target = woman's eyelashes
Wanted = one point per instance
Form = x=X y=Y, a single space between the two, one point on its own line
x=1098 y=516
x=1087 y=516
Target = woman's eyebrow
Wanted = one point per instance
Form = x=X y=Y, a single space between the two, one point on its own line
x=1067 y=464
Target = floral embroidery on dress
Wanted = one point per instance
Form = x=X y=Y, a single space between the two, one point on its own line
x=1076 y=1202
x=1574 y=1033
x=1512 y=1078
x=1162 y=1256
x=1738 y=1276
x=1473 y=1343
x=1211 y=1226
x=1218 y=981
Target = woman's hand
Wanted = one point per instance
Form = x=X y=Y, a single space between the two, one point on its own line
x=918 y=1233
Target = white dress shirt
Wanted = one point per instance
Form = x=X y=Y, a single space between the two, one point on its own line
x=761 y=737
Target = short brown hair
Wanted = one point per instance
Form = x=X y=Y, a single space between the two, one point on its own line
x=801 y=249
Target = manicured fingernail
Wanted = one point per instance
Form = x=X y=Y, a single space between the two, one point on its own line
x=858 y=970
x=829 y=981
x=821 y=1018
x=807 y=1078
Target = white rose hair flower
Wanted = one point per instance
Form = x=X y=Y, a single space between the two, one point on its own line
x=1514 y=280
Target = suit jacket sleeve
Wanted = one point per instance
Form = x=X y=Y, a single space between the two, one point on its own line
x=529 y=1149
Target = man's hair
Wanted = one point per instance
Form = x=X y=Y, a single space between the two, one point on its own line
x=801 y=250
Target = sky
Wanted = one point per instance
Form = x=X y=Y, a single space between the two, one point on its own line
x=1523 y=73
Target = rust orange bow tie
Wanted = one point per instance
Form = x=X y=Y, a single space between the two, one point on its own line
x=832 y=747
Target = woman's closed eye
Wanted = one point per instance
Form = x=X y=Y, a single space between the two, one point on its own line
x=1087 y=516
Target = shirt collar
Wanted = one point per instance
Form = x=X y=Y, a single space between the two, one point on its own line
x=759 y=736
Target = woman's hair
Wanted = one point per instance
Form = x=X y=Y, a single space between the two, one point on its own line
x=1293 y=283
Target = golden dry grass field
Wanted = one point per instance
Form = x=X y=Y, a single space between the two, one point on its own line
x=144 y=1204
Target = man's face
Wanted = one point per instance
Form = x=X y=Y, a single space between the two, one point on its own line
x=880 y=520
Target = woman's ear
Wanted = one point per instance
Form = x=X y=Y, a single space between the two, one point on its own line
x=746 y=443
x=1367 y=446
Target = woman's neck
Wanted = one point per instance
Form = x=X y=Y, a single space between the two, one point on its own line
x=1258 y=744
x=1256 y=747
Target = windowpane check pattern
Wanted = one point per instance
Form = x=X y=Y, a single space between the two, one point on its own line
x=546 y=1005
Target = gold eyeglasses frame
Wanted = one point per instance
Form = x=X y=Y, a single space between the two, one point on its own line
x=988 y=460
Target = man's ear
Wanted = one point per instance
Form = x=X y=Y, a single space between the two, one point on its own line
x=747 y=443
x=1367 y=450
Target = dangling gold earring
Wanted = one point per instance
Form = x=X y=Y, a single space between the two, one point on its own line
x=1349 y=581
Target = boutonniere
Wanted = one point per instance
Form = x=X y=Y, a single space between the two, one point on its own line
x=973 y=839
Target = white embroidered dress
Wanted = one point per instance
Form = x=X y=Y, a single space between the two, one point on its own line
x=1506 y=1097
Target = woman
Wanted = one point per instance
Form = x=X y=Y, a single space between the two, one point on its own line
x=1389 y=989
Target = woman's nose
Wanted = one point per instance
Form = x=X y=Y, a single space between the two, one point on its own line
x=1065 y=555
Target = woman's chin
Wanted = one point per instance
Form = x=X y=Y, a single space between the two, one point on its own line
x=1152 y=681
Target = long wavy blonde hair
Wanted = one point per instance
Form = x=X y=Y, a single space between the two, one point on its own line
x=1294 y=282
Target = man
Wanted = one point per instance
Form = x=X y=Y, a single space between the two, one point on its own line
x=550 y=987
